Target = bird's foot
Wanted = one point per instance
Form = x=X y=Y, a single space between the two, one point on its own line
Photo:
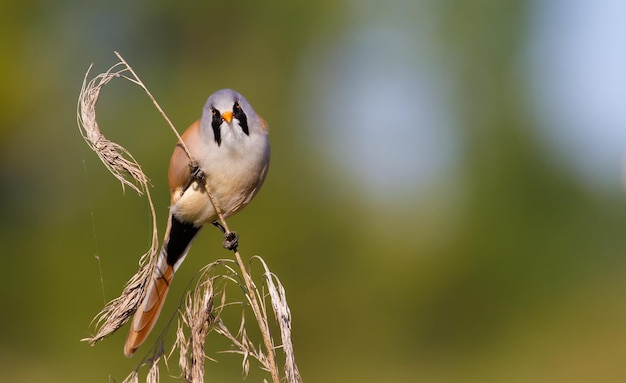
x=231 y=239
x=196 y=174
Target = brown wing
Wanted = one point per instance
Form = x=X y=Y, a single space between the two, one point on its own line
x=179 y=170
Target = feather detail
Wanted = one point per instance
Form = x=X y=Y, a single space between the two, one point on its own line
x=178 y=239
x=150 y=308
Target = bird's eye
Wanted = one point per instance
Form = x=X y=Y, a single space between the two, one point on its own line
x=213 y=111
x=236 y=106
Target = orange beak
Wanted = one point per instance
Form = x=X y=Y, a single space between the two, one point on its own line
x=227 y=116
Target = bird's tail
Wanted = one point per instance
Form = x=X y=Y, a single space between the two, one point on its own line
x=178 y=238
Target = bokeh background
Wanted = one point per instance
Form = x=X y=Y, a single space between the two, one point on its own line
x=445 y=202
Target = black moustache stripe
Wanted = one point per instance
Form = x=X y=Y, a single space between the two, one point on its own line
x=239 y=114
x=216 y=122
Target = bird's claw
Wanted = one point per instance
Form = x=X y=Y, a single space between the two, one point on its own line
x=196 y=174
x=231 y=241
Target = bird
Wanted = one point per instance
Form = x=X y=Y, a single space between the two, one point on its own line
x=230 y=154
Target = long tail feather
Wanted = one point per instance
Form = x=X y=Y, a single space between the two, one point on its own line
x=148 y=311
x=178 y=238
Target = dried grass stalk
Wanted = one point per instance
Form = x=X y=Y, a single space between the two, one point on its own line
x=282 y=314
x=127 y=170
x=199 y=323
x=115 y=157
x=133 y=377
x=153 y=372
x=197 y=316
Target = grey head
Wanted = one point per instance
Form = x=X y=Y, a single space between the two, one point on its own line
x=227 y=109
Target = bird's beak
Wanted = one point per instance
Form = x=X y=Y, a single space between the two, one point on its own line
x=227 y=116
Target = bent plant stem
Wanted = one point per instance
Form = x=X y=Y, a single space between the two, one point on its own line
x=252 y=297
x=263 y=325
x=136 y=80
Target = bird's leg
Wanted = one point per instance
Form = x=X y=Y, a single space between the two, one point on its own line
x=196 y=174
x=219 y=226
x=231 y=239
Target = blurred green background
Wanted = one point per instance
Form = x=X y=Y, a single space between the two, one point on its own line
x=445 y=201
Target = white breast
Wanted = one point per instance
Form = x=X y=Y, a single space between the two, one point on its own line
x=234 y=173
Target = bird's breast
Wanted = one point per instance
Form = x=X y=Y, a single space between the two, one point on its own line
x=232 y=174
